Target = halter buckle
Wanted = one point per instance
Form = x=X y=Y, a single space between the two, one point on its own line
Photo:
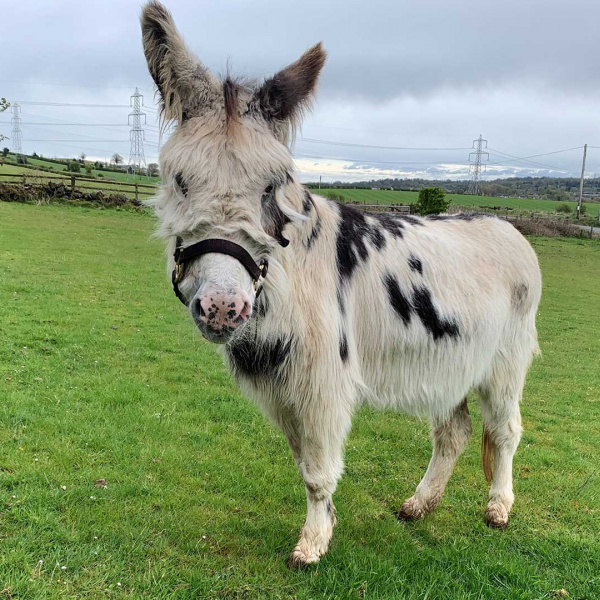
x=178 y=272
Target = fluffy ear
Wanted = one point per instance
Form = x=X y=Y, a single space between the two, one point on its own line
x=286 y=94
x=182 y=81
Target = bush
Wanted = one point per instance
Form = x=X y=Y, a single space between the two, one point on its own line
x=432 y=201
x=21 y=160
x=74 y=167
x=563 y=208
x=5 y=151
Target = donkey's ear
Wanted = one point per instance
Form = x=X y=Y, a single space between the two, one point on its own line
x=182 y=81
x=286 y=94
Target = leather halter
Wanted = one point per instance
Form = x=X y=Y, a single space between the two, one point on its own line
x=214 y=245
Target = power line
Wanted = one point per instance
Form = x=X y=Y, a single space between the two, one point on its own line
x=367 y=161
x=501 y=154
x=31 y=103
x=89 y=141
x=351 y=145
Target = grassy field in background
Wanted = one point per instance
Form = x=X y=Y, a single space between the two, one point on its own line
x=90 y=185
x=112 y=175
x=400 y=197
x=103 y=376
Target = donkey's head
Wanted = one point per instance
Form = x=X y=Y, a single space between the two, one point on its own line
x=225 y=170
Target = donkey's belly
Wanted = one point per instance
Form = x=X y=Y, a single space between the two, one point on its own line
x=428 y=378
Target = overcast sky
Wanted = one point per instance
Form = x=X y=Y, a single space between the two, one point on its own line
x=409 y=74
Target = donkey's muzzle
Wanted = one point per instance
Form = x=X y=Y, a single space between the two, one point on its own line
x=218 y=315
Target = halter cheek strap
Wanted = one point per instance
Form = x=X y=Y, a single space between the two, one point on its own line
x=214 y=245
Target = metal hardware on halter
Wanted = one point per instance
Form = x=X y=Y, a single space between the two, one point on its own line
x=214 y=245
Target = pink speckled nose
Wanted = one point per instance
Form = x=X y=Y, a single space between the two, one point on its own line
x=221 y=313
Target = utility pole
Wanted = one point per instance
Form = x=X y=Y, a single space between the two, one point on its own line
x=16 y=129
x=581 y=182
x=476 y=166
x=136 y=135
x=320 y=177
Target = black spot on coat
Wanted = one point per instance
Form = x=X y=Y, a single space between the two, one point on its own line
x=426 y=311
x=307 y=202
x=398 y=300
x=351 y=248
x=344 y=348
x=415 y=264
x=315 y=233
x=273 y=218
x=180 y=181
x=261 y=358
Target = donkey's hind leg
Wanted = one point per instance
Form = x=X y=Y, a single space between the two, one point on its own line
x=449 y=440
x=501 y=436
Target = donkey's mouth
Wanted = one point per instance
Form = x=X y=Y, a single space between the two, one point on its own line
x=217 y=336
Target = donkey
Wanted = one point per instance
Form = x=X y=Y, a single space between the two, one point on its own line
x=318 y=307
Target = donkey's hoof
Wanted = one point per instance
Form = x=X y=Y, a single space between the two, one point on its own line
x=496 y=516
x=301 y=560
x=411 y=510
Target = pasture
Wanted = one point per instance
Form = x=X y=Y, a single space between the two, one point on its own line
x=401 y=197
x=130 y=465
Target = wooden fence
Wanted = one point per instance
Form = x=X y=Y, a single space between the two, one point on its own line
x=82 y=184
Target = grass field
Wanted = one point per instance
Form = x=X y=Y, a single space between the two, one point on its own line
x=399 y=197
x=111 y=175
x=105 y=184
x=103 y=376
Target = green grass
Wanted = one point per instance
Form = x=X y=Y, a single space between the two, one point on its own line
x=103 y=376
x=400 y=197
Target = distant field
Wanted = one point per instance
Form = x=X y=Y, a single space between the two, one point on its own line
x=114 y=175
x=398 y=197
x=103 y=184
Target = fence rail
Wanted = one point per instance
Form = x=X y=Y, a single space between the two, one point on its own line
x=75 y=182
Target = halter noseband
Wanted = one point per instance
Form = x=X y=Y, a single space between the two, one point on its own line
x=184 y=255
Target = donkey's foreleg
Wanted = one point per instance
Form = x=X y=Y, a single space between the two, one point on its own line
x=449 y=440
x=323 y=433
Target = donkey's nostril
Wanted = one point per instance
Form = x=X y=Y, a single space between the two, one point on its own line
x=196 y=308
x=246 y=311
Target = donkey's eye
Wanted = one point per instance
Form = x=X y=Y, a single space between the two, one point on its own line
x=268 y=189
x=180 y=181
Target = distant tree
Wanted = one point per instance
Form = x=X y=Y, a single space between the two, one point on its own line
x=82 y=156
x=21 y=159
x=563 y=208
x=116 y=159
x=74 y=167
x=5 y=151
x=88 y=169
x=153 y=170
x=34 y=155
x=432 y=201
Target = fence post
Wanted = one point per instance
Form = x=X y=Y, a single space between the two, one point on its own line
x=72 y=183
x=136 y=193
